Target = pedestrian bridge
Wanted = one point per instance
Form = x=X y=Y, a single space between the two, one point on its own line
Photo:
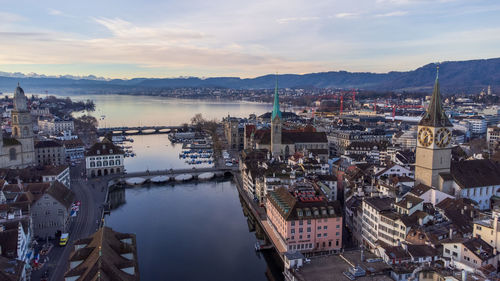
x=138 y=130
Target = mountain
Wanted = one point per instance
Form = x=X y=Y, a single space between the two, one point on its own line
x=455 y=76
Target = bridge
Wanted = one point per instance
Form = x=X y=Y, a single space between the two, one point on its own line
x=138 y=130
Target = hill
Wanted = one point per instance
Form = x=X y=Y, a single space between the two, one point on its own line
x=455 y=76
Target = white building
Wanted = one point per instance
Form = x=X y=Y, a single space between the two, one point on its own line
x=104 y=158
x=55 y=125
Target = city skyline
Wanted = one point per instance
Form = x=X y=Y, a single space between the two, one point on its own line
x=194 y=38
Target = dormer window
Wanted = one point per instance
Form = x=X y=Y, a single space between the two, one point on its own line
x=98 y=152
x=111 y=151
x=300 y=213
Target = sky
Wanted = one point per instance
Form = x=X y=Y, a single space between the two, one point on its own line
x=153 y=38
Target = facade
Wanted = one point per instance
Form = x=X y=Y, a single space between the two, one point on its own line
x=18 y=151
x=478 y=125
x=235 y=132
x=470 y=254
x=55 y=125
x=104 y=158
x=434 y=142
x=51 y=211
x=50 y=152
x=305 y=222
x=487 y=230
x=493 y=138
x=74 y=150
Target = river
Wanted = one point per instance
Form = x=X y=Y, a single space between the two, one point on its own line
x=190 y=231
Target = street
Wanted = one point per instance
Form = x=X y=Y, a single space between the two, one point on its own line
x=91 y=194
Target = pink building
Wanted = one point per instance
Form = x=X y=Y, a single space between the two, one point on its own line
x=305 y=221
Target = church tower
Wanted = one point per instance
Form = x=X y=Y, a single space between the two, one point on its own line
x=276 y=125
x=433 y=142
x=22 y=127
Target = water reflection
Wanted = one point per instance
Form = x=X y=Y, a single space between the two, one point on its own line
x=193 y=231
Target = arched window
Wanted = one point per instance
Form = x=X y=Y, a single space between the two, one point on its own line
x=117 y=162
x=25 y=131
x=92 y=164
x=105 y=163
x=13 y=153
x=16 y=132
x=111 y=162
x=14 y=118
x=99 y=163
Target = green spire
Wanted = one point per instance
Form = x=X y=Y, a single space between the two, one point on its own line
x=435 y=115
x=276 y=106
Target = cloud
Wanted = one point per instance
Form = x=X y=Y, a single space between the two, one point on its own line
x=392 y=14
x=54 y=12
x=346 y=15
x=297 y=19
x=10 y=17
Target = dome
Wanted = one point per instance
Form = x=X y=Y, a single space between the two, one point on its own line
x=20 y=101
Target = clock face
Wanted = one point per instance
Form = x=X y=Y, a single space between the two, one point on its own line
x=443 y=137
x=425 y=137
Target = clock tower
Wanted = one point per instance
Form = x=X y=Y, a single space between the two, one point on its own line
x=433 y=142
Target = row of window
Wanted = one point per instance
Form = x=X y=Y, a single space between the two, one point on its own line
x=105 y=157
x=104 y=163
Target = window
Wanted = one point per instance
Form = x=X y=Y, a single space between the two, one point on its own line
x=293 y=223
x=325 y=227
x=293 y=231
x=319 y=235
x=12 y=154
x=301 y=230
x=319 y=227
x=324 y=234
x=308 y=229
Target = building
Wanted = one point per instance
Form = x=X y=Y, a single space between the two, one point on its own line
x=104 y=158
x=493 y=138
x=235 y=132
x=37 y=175
x=55 y=125
x=478 y=125
x=470 y=254
x=434 y=142
x=304 y=221
x=50 y=152
x=51 y=208
x=12 y=270
x=106 y=255
x=18 y=151
x=74 y=149
x=276 y=128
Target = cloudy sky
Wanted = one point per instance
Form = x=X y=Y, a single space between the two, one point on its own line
x=153 y=38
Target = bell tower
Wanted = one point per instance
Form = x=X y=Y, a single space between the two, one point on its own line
x=22 y=127
x=433 y=142
x=276 y=125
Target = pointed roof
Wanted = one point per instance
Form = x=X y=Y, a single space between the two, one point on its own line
x=276 y=105
x=435 y=115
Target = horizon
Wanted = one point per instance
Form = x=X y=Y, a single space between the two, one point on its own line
x=118 y=40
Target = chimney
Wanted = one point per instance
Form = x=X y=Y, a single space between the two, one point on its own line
x=464 y=275
x=451 y=233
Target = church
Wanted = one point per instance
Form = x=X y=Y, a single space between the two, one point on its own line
x=18 y=151
x=478 y=180
x=284 y=143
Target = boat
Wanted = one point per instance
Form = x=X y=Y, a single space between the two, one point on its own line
x=135 y=181
x=183 y=177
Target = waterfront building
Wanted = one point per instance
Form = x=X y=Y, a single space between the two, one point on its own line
x=104 y=158
x=234 y=130
x=51 y=208
x=55 y=125
x=106 y=255
x=305 y=221
x=49 y=152
x=18 y=151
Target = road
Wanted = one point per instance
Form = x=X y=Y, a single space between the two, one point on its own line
x=92 y=194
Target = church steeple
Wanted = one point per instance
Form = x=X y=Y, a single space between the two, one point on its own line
x=276 y=105
x=435 y=115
